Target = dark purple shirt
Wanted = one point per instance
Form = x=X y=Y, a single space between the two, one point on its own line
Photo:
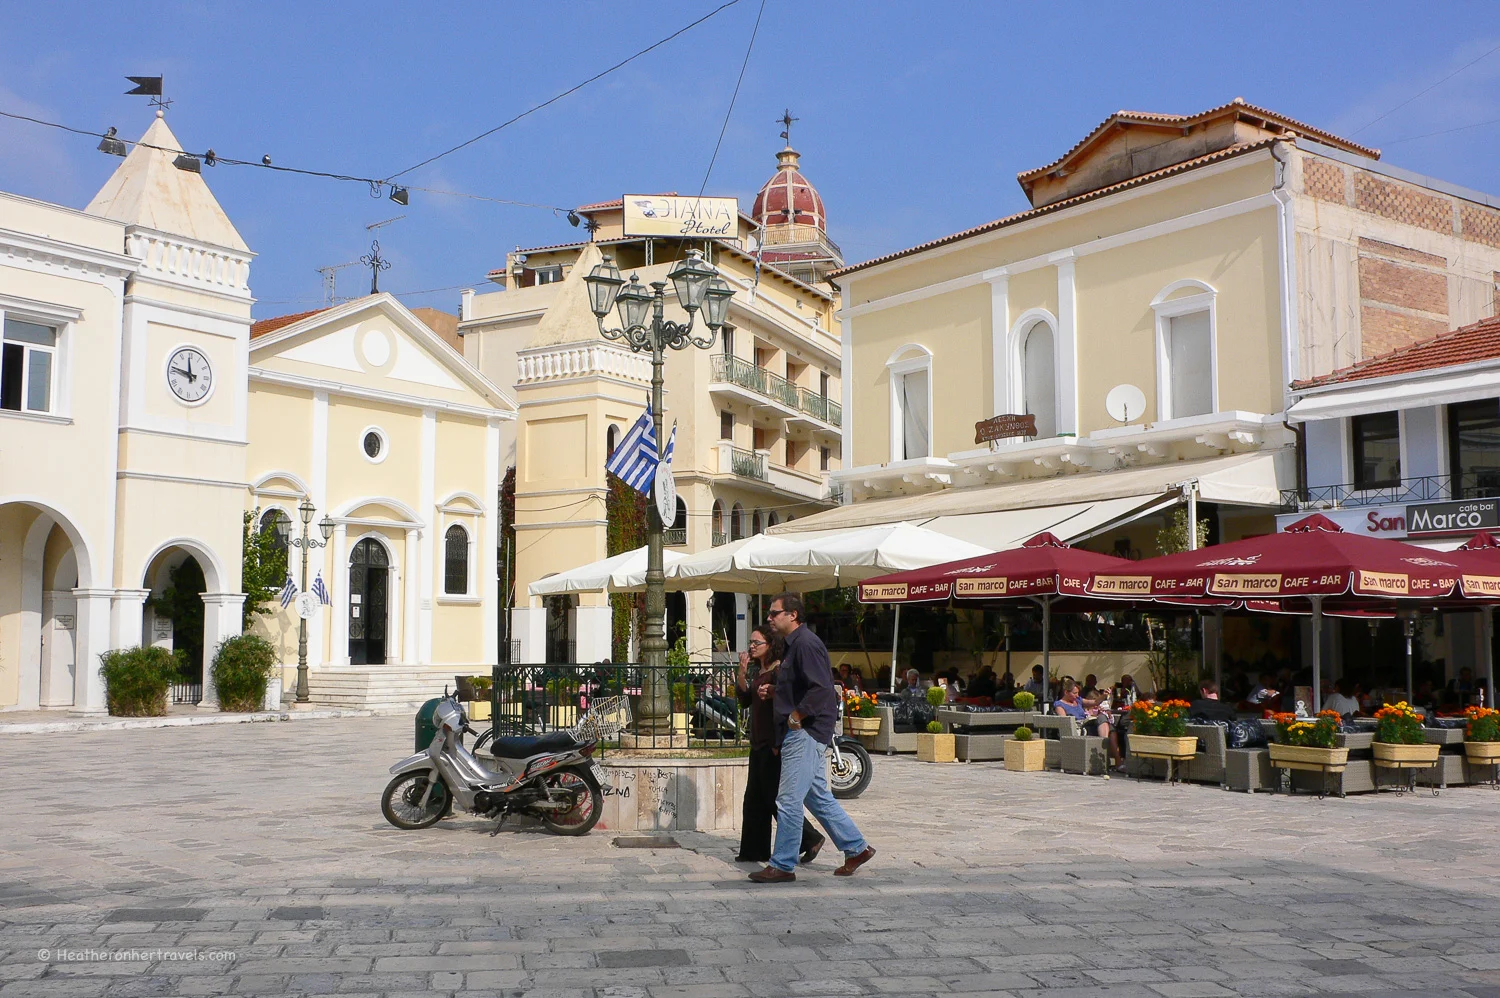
x=806 y=686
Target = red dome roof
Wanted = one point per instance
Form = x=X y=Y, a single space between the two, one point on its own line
x=787 y=198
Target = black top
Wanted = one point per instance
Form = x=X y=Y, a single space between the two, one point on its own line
x=1211 y=710
x=762 y=712
x=806 y=686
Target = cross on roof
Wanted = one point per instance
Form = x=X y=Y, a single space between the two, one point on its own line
x=786 y=120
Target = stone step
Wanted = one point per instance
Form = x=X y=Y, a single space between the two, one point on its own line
x=381 y=686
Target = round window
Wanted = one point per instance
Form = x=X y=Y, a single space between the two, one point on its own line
x=373 y=444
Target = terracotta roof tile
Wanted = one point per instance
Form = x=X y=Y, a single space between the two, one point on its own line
x=1030 y=213
x=264 y=326
x=1465 y=345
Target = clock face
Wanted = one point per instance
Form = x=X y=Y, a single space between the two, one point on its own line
x=189 y=375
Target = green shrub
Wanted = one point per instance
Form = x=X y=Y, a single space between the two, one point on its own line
x=937 y=696
x=242 y=667
x=682 y=695
x=136 y=680
x=1023 y=734
x=1023 y=700
x=934 y=727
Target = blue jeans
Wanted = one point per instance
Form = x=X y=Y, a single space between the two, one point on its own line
x=804 y=780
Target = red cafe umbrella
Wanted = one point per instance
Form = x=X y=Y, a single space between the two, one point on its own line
x=1480 y=558
x=1042 y=569
x=1313 y=559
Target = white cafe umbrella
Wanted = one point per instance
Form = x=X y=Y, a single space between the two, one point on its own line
x=855 y=555
x=620 y=573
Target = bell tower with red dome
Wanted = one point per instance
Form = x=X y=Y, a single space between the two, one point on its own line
x=793 y=223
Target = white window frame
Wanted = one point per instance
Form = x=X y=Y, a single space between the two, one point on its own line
x=1167 y=309
x=1016 y=352
x=385 y=444
x=909 y=359
x=60 y=320
x=464 y=510
x=470 y=593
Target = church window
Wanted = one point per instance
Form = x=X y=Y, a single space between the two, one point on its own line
x=456 y=561
x=27 y=361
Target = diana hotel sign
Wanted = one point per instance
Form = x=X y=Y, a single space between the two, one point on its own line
x=693 y=218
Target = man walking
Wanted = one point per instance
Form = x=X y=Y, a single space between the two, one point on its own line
x=806 y=713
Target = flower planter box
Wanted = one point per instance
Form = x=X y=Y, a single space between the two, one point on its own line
x=562 y=717
x=679 y=723
x=1163 y=746
x=1391 y=755
x=865 y=726
x=1027 y=756
x=1483 y=753
x=936 y=748
x=479 y=710
x=1309 y=758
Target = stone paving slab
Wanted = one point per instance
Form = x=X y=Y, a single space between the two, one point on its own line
x=252 y=859
x=45 y=722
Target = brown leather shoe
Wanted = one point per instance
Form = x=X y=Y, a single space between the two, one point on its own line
x=852 y=863
x=813 y=850
x=771 y=875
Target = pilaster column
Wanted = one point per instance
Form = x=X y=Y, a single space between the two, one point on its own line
x=91 y=640
x=223 y=618
x=338 y=651
x=1066 y=346
x=128 y=618
x=411 y=632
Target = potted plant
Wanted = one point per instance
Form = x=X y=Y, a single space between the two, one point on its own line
x=1159 y=730
x=562 y=702
x=1025 y=753
x=480 y=707
x=1023 y=701
x=682 y=699
x=1482 y=736
x=1308 y=744
x=935 y=745
x=861 y=717
x=136 y=681
x=241 y=671
x=1400 y=740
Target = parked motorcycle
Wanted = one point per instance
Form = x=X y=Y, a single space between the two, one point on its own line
x=850 y=767
x=551 y=777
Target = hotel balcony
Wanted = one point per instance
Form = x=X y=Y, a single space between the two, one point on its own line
x=755 y=467
x=741 y=379
x=1482 y=484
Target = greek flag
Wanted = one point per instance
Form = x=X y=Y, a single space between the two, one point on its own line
x=671 y=445
x=321 y=591
x=635 y=459
x=288 y=592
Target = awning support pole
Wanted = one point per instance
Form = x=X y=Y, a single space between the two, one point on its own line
x=1046 y=645
x=1317 y=636
x=895 y=643
x=1219 y=650
x=1408 y=627
x=1488 y=615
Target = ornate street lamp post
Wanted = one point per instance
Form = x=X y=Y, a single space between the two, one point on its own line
x=306 y=510
x=644 y=327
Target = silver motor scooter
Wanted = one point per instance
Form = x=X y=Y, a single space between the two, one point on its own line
x=551 y=777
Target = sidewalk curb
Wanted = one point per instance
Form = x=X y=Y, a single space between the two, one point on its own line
x=106 y=723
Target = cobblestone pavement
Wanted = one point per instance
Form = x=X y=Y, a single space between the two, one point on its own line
x=122 y=853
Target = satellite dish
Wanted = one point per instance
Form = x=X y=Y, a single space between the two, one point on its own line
x=1125 y=402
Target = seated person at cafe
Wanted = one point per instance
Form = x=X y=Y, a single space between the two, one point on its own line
x=1208 y=706
x=1461 y=687
x=911 y=682
x=849 y=677
x=1125 y=689
x=983 y=684
x=1007 y=683
x=1342 y=701
x=1034 y=684
x=1071 y=705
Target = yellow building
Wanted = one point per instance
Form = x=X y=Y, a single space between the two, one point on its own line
x=757 y=416
x=138 y=423
x=1203 y=262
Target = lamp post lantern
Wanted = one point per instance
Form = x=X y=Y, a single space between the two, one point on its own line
x=645 y=328
x=305 y=510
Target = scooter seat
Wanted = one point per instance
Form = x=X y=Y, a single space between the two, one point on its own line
x=521 y=748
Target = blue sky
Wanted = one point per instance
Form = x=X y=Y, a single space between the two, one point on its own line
x=915 y=118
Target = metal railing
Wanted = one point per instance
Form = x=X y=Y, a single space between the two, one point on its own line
x=719 y=538
x=187 y=693
x=674 y=536
x=703 y=710
x=747 y=464
x=733 y=370
x=1483 y=484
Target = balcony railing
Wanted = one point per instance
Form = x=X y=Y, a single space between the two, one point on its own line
x=720 y=538
x=733 y=370
x=747 y=463
x=1483 y=484
x=674 y=536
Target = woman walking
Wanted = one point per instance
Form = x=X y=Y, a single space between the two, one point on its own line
x=757 y=690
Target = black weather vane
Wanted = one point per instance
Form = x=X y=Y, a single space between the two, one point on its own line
x=786 y=120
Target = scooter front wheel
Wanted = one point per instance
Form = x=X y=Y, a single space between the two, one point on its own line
x=850 y=774
x=402 y=801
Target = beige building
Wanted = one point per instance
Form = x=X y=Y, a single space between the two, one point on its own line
x=1191 y=265
x=138 y=423
x=758 y=418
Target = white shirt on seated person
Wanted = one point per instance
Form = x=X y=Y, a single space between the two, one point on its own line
x=1344 y=705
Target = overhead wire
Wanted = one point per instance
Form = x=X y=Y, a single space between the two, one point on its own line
x=571 y=90
x=1445 y=131
x=732 y=98
x=1425 y=90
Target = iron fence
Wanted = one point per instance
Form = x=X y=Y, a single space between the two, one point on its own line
x=747 y=463
x=701 y=709
x=187 y=693
x=1483 y=484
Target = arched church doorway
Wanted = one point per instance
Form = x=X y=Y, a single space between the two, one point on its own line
x=369 y=587
x=44 y=638
x=173 y=617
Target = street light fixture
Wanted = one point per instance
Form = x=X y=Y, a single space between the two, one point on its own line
x=306 y=510
x=644 y=326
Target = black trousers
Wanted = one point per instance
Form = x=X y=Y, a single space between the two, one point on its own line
x=761 y=784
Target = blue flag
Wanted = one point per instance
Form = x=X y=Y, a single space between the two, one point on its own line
x=320 y=590
x=288 y=592
x=634 y=460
